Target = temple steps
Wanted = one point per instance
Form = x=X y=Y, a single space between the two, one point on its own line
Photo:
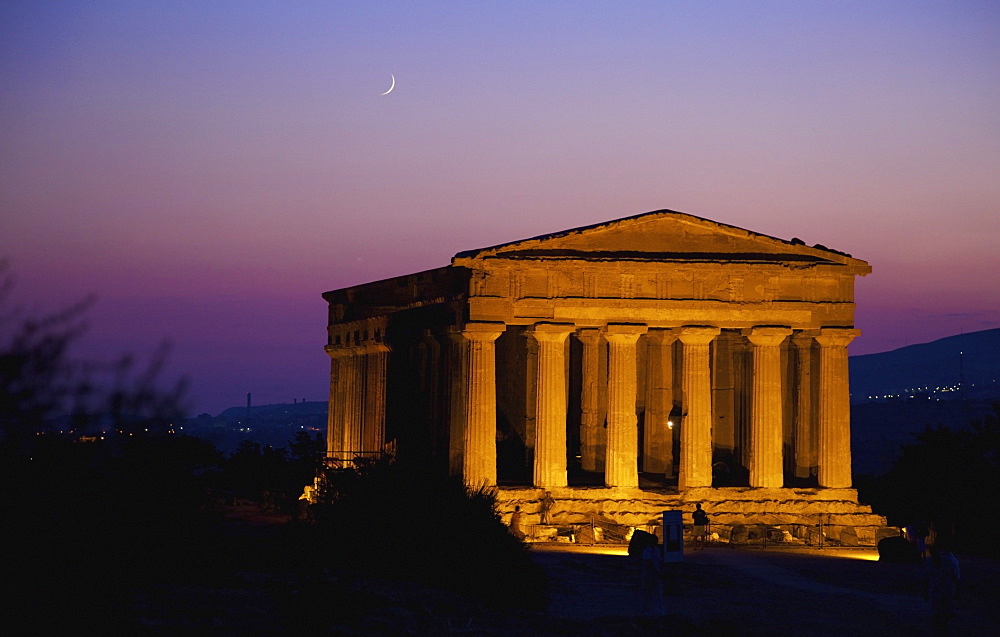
x=837 y=511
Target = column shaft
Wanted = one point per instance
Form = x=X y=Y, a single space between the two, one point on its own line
x=621 y=463
x=658 y=437
x=696 y=423
x=805 y=421
x=352 y=382
x=376 y=363
x=590 y=425
x=457 y=383
x=766 y=425
x=479 y=462
x=333 y=434
x=834 y=408
x=550 y=405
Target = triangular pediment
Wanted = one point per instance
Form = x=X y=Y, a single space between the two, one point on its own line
x=663 y=235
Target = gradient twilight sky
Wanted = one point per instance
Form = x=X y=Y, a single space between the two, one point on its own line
x=208 y=169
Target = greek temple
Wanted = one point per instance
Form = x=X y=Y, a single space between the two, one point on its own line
x=623 y=368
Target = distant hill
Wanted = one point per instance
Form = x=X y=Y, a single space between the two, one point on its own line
x=278 y=410
x=273 y=425
x=896 y=394
x=936 y=369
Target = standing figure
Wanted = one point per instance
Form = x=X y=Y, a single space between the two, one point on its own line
x=515 y=523
x=700 y=526
x=546 y=507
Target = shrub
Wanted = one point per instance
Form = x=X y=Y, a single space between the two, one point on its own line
x=397 y=520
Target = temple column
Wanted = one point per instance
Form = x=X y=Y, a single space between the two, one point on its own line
x=621 y=463
x=376 y=364
x=658 y=444
x=766 y=426
x=590 y=425
x=343 y=434
x=352 y=381
x=333 y=433
x=805 y=429
x=456 y=408
x=696 y=422
x=479 y=457
x=530 y=396
x=834 y=407
x=550 y=405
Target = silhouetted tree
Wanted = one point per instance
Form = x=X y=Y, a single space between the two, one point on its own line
x=43 y=387
x=947 y=477
x=404 y=521
x=82 y=522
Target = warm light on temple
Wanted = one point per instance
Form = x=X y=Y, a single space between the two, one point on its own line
x=652 y=351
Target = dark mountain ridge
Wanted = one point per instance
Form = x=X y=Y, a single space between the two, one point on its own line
x=966 y=366
x=950 y=382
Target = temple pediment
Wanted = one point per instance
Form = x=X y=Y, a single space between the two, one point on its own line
x=663 y=235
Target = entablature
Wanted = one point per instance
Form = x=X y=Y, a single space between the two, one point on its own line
x=660 y=313
x=729 y=282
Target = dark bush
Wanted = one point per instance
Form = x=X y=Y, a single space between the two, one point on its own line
x=403 y=521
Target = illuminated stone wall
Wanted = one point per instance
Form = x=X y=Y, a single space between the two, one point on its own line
x=662 y=351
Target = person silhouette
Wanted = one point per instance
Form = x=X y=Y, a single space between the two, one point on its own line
x=700 y=519
x=515 y=523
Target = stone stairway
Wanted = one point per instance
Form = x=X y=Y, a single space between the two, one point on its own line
x=833 y=514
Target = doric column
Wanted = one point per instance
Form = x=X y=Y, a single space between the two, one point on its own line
x=696 y=422
x=376 y=363
x=621 y=463
x=343 y=437
x=590 y=425
x=658 y=445
x=805 y=421
x=550 y=405
x=530 y=396
x=352 y=381
x=457 y=384
x=479 y=461
x=333 y=433
x=766 y=469
x=834 y=407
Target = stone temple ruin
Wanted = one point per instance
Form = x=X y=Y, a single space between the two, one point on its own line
x=625 y=368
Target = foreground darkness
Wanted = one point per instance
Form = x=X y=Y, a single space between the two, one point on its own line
x=109 y=533
x=163 y=536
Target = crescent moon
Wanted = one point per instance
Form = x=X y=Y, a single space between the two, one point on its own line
x=391 y=86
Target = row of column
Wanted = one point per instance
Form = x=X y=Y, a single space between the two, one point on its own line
x=474 y=426
x=356 y=410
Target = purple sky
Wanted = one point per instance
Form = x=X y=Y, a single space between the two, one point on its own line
x=208 y=169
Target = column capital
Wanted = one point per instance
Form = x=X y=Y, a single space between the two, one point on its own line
x=804 y=339
x=623 y=332
x=589 y=335
x=483 y=332
x=340 y=351
x=836 y=336
x=661 y=336
x=766 y=336
x=373 y=347
x=550 y=332
x=697 y=334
